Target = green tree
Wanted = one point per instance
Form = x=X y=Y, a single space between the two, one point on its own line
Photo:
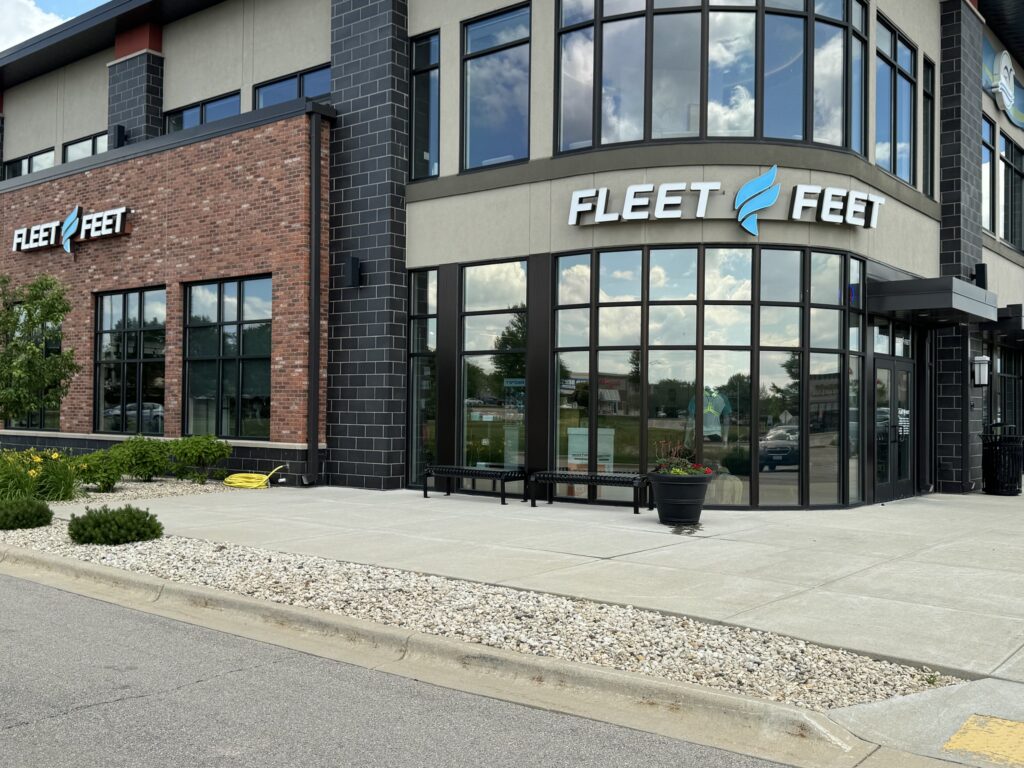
x=33 y=374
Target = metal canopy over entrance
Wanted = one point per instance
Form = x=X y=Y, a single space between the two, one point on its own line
x=933 y=301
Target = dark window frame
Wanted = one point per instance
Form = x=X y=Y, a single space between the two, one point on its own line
x=137 y=360
x=221 y=357
x=416 y=482
x=896 y=72
x=1011 y=164
x=413 y=72
x=299 y=77
x=92 y=139
x=39 y=415
x=850 y=310
x=928 y=127
x=29 y=159
x=995 y=170
x=465 y=58
x=202 y=105
x=704 y=9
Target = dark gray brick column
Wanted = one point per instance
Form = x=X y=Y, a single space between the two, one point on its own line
x=366 y=388
x=135 y=97
x=958 y=403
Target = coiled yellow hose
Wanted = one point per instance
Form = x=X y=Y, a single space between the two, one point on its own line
x=250 y=479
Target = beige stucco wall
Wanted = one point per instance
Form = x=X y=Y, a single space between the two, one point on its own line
x=67 y=104
x=1005 y=278
x=239 y=43
x=533 y=218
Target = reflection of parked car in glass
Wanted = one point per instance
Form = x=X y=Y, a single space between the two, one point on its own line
x=779 y=448
x=152 y=416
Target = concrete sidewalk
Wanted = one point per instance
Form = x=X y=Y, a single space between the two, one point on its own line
x=935 y=581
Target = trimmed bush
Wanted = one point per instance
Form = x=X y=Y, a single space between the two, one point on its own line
x=144 y=458
x=24 y=513
x=195 y=456
x=102 y=469
x=121 y=525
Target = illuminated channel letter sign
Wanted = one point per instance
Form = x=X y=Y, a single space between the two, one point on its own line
x=76 y=228
x=676 y=200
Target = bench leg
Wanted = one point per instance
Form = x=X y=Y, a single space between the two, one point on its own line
x=448 y=486
x=636 y=499
x=551 y=493
x=650 y=497
x=426 y=481
x=526 y=489
x=503 y=493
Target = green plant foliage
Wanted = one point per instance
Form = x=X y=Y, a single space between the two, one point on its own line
x=144 y=458
x=194 y=457
x=33 y=474
x=24 y=513
x=120 y=525
x=33 y=375
x=102 y=469
x=676 y=459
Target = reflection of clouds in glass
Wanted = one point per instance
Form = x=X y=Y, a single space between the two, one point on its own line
x=675 y=97
x=829 y=61
x=574 y=284
x=482 y=331
x=736 y=118
x=727 y=274
x=780 y=327
x=575 y=11
x=204 y=302
x=495 y=286
x=780 y=275
x=673 y=274
x=673 y=325
x=824 y=365
x=883 y=153
x=825 y=327
x=722 y=365
x=620 y=276
x=154 y=307
x=773 y=371
x=622 y=77
x=498 y=91
x=671 y=366
x=726 y=325
x=574 y=328
x=618 y=326
x=826 y=278
x=577 y=93
x=615 y=363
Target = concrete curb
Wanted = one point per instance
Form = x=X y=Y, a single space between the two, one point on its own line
x=715 y=718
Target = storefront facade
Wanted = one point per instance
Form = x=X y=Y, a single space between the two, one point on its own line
x=561 y=234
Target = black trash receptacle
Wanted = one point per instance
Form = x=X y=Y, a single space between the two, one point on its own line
x=1002 y=460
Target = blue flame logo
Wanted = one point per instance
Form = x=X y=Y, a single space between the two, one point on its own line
x=70 y=227
x=756 y=195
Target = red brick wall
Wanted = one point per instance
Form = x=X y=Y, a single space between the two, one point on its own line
x=231 y=206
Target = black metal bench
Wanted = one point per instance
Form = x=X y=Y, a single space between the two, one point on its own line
x=638 y=482
x=502 y=475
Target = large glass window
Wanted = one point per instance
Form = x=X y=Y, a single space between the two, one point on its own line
x=83 y=148
x=311 y=84
x=426 y=131
x=496 y=98
x=227 y=358
x=1011 y=188
x=130 y=346
x=26 y=165
x=666 y=344
x=48 y=417
x=423 y=373
x=895 y=124
x=634 y=70
x=205 y=112
x=988 y=175
x=493 y=372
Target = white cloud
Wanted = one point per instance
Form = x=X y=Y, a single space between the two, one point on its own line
x=23 y=19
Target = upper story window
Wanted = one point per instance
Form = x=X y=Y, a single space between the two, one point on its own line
x=928 y=129
x=988 y=175
x=635 y=70
x=28 y=164
x=83 y=148
x=895 y=85
x=1011 y=189
x=496 y=91
x=426 y=55
x=204 y=112
x=311 y=84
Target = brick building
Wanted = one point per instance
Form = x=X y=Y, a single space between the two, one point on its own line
x=360 y=237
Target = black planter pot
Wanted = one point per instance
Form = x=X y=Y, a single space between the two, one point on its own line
x=679 y=498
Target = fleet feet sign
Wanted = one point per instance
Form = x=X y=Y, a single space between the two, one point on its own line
x=681 y=200
x=76 y=228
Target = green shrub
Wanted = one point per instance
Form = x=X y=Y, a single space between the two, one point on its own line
x=121 y=525
x=195 y=456
x=102 y=469
x=24 y=513
x=58 y=478
x=17 y=481
x=144 y=458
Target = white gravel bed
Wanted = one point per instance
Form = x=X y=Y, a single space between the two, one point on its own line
x=735 y=659
x=133 y=490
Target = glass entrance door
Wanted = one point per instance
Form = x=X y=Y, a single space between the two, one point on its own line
x=894 y=430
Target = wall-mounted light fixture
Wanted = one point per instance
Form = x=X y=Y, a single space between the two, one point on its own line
x=979 y=369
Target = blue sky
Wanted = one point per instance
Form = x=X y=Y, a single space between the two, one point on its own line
x=68 y=8
x=23 y=19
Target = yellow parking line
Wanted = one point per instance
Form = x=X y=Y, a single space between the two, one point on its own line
x=992 y=738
